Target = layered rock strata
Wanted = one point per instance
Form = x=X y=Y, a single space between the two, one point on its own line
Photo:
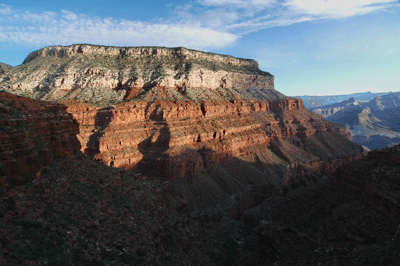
x=32 y=134
x=215 y=149
x=212 y=124
x=110 y=75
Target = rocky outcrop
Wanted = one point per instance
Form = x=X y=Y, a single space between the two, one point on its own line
x=109 y=75
x=3 y=69
x=32 y=134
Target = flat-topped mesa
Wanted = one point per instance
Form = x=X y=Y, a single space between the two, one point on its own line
x=140 y=52
x=110 y=75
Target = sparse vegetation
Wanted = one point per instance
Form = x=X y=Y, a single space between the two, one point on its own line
x=104 y=78
x=4 y=68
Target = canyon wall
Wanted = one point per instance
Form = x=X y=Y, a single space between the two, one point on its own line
x=33 y=133
x=215 y=149
x=213 y=125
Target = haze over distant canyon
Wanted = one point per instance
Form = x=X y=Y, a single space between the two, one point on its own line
x=373 y=118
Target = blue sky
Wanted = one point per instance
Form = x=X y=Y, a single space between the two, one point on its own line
x=313 y=47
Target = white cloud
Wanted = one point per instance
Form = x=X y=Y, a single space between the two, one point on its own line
x=239 y=3
x=69 y=15
x=66 y=27
x=4 y=10
x=255 y=15
x=337 y=8
x=259 y=24
x=216 y=19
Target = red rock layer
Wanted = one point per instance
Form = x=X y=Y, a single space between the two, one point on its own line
x=184 y=138
x=32 y=134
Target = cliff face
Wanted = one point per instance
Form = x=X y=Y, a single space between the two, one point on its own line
x=124 y=133
x=32 y=134
x=110 y=75
x=213 y=124
x=216 y=149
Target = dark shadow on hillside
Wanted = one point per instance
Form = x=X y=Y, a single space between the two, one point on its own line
x=151 y=148
x=154 y=149
x=102 y=120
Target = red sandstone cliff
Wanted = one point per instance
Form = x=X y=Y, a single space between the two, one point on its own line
x=32 y=134
x=122 y=135
x=221 y=147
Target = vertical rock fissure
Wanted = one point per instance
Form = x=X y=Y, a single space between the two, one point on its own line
x=203 y=109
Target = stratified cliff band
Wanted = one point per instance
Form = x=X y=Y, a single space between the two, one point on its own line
x=109 y=75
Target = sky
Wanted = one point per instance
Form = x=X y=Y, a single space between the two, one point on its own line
x=312 y=47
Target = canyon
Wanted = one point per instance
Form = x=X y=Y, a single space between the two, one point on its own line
x=372 y=119
x=313 y=101
x=213 y=125
x=165 y=165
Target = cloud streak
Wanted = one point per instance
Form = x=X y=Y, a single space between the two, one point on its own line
x=337 y=8
x=66 y=27
x=239 y=3
x=257 y=14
